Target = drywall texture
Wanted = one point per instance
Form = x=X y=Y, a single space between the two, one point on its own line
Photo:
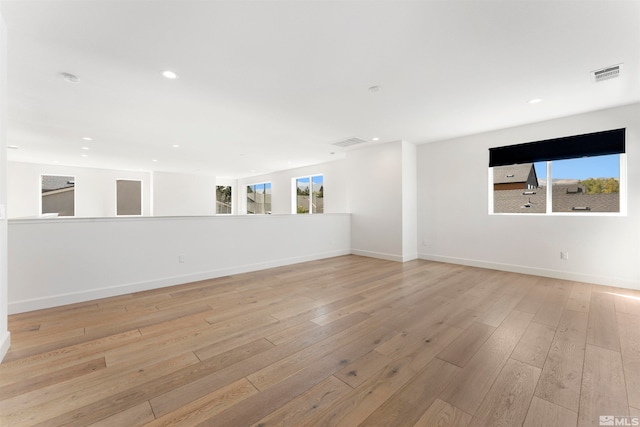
x=454 y=224
x=95 y=189
x=111 y=256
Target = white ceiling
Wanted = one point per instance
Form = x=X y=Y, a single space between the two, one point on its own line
x=269 y=85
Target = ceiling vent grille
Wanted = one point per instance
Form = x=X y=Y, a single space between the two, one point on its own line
x=606 y=73
x=349 y=142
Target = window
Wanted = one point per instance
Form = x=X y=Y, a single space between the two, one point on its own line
x=578 y=174
x=58 y=195
x=128 y=197
x=259 y=198
x=589 y=184
x=309 y=194
x=223 y=199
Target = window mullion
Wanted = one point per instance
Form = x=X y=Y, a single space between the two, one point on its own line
x=549 y=187
x=310 y=195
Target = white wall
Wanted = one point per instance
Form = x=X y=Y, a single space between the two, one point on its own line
x=4 y=330
x=95 y=189
x=165 y=193
x=335 y=192
x=176 y=194
x=136 y=254
x=375 y=200
x=455 y=225
x=409 y=201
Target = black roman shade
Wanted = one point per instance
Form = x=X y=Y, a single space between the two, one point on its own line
x=570 y=147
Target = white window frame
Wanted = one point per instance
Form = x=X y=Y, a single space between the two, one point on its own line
x=246 y=196
x=294 y=193
x=549 y=192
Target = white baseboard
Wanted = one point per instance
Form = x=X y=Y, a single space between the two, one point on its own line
x=409 y=257
x=555 y=274
x=92 y=294
x=5 y=342
x=379 y=255
x=388 y=257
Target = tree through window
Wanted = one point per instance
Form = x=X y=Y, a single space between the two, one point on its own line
x=309 y=197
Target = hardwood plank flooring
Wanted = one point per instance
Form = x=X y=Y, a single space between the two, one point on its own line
x=553 y=305
x=469 y=388
x=346 y=341
x=441 y=414
x=630 y=343
x=561 y=376
x=534 y=345
x=507 y=402
x=467 y=344
x=603 y=390
x=546 y=414
x=603 y=329
x=580 y=297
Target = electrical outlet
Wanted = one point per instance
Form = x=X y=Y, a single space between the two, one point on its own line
x=564 y=255
x=181 y=259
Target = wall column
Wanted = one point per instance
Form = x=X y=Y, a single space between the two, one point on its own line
x=5 y=340
x=381 y=188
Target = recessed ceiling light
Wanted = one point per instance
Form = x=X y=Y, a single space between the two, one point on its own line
x=374 y=89
x=154 y=160
x=375 y=139
x=70 y=78
x=170 y=74
x=87 y=138
x=84 y=155
x=176 y=145
x=12 y=147
x=535 y=101
x=85 y=148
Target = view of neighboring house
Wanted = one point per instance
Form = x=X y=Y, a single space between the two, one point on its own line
x=517 y=190
x=58 y=195
x=513 y=177
x=574 y=198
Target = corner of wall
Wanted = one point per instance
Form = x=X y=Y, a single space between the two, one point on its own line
x=5 y=336
x=409 y=201
x=5 y=343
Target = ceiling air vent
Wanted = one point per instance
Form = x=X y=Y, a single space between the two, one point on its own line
x=349 y=142
x=606 y=73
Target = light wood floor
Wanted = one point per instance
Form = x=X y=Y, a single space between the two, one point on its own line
x=345 y=341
